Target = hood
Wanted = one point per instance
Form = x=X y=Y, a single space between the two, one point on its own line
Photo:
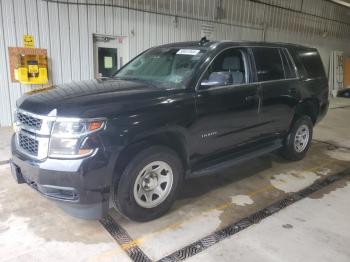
x=93 y=98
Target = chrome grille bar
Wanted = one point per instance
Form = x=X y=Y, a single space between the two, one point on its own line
x=33 y=133
x=28 y=120
x=28 y=144
x=34 y=123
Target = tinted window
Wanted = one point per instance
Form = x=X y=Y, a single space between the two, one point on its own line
x=312 y=63
x=289 y=71
x=268 y=64
x=228 y=61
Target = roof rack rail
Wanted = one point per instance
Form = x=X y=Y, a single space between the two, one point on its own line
x=203 y=41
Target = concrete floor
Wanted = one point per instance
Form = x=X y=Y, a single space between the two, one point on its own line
x=314 y=229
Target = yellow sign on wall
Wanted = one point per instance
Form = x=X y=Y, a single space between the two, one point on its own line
x=28 y=41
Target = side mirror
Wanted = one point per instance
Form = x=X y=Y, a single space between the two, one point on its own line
x=218 y=79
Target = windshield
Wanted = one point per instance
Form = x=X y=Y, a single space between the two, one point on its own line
x=169 y=65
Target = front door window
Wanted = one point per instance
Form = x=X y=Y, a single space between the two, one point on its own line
x=229 y=64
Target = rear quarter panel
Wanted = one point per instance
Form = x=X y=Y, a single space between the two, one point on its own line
x=312 y=88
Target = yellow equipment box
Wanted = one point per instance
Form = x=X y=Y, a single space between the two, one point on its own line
x=31 y=69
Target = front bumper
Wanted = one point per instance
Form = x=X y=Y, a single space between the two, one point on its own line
x=80 y=186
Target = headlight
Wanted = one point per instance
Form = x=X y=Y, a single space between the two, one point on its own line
x=76 y=128
x=69 y=137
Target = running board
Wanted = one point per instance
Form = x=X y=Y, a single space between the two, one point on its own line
x=235 y=159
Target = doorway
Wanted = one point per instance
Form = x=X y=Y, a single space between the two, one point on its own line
x=110 y=54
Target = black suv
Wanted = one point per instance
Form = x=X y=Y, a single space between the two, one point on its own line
x=175 y=111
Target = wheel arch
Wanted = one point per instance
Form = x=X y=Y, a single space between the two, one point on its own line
x=309 y=107
x=174 y=140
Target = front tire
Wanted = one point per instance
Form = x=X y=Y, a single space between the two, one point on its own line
x=299 y=139
x=148 y=185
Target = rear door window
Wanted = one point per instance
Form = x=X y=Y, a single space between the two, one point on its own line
x=268 y=63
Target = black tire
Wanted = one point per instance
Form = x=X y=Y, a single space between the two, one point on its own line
x=289 y=150
x=123 y=193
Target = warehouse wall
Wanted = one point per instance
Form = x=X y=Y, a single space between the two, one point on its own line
x=66 y=29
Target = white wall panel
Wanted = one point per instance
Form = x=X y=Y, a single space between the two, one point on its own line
x=146 y=30
x=55 y=43
x=153 y=29
x=20 y=29
x=92 y=29
x=83 y=41
x=108 y=14
x=100 y=17
x=43 y=39
x=139 y=25
x=5 y=105
x=66 y=30
x=9 y=29
x=74 y=41
x=133 y=34
x=117 y=20
x=33 y=21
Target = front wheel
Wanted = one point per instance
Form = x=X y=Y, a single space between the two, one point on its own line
x=149 y=183
x=299 y=139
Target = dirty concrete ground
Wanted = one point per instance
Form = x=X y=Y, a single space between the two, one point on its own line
x=335 y=128
x=34 y=229
x=211 y=203
x=5 y=135
x=314 y=229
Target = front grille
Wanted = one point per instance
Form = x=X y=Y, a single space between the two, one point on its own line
x=29 y=121
x=33 y=133
x=28 y=144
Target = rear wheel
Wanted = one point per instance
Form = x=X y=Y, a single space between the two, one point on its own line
x=299 y=139
x=149 y=184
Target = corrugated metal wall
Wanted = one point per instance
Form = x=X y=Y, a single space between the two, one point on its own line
x=65 y=29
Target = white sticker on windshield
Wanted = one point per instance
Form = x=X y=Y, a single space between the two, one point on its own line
x=188 y=52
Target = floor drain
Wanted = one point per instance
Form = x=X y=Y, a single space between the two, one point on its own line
x=123 y=239
x=246 y=222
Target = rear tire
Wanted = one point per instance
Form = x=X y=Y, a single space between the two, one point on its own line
x=299 y=139
x=149 y=184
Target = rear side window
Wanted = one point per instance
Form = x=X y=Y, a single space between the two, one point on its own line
x=288 y=66
x=312 y=63
x=268 y=63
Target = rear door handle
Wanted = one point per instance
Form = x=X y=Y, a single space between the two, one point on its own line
x=251 y=98
x=293 y=91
